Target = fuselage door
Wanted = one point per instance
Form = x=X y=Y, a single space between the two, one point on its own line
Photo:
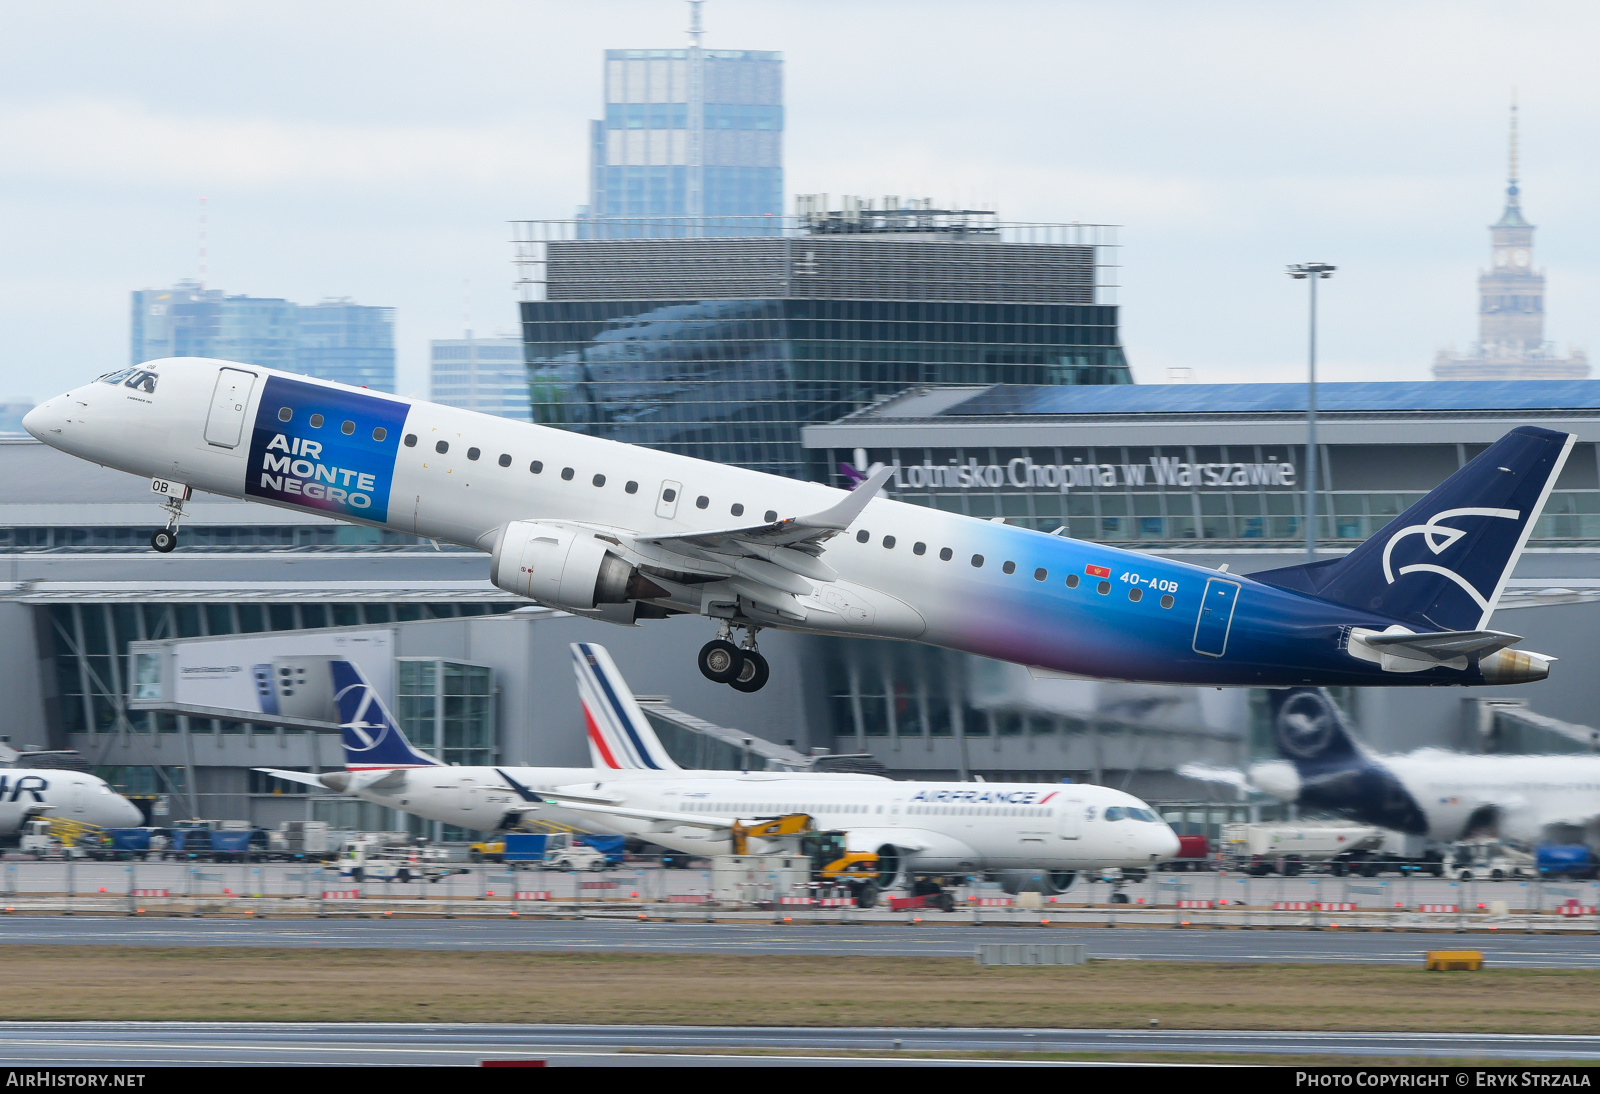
x=225 y=423
x=667 y=499
x=1071 y=819
x=1216 y=617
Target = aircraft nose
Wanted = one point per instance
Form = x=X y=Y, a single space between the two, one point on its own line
x=1166 y=842
x=128 y=813
x=44 y=420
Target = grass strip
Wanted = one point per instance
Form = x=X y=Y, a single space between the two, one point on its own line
x=264 y=984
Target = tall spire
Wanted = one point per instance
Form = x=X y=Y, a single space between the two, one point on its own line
x=1511 y=175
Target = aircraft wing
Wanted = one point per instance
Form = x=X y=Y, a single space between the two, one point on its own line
x=771 y=564
x=1441 y=645
x=657 y=816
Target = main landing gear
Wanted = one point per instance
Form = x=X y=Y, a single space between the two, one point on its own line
x=741 y=668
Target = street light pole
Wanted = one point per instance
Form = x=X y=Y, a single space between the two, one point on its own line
x=1311 y=272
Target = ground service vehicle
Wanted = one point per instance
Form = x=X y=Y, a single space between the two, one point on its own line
x=370 y=860
x=563 y=851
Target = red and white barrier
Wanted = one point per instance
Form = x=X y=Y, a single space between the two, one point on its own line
x=1439 y=909
x=341 y=894
x=149 y=892
x=534 y=894
x=991 y=901
x=597 y=885
x=1337 y=906
x=834 y=901
x=688 y=898
x=1194 y=904
x=803 y=901
x=1574 y=908
x=1293 y=906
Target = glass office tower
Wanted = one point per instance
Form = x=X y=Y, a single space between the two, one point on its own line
x=722 y=346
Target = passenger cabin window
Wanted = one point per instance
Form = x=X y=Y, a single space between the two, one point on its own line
x=669 y=494
x=863 y=535
x=1041 y=574
x=348 y=429
x=919 y=548
x=1167 y=601
x=505 y=459
x=316 y=421
x=411 y=439
x=284 y=414
x=1136 y=594
x=442 y=447
x=1010 y=567
x=632 y=487
x=474 y=453
x=567 y=473
x=771 y=515
x=1103 y=588
x=977 y=561
x=701 y=502
x=946 y=554
x=738 y=509
x=380 y=434
x=888 y=541
x=599 y=480
x=536 y=466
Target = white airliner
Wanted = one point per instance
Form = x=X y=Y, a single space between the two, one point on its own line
x=623 y=533
x=26 y=793
x=1445 y=796
x=635 y=789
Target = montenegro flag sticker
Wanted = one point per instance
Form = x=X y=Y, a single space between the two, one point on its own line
x=1097 y=571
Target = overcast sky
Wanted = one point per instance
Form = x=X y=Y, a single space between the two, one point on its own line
x=378 y=150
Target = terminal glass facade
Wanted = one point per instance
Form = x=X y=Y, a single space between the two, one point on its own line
x=446 y=708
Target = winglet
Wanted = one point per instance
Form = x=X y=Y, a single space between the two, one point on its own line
x=843 y=515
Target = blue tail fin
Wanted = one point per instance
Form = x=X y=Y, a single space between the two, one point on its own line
x=372 y=738
x=1444 y=562
x=1335 y=773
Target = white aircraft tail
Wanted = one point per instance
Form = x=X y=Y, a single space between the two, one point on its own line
x=620 y=737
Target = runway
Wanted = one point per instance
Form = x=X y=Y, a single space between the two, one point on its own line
x=135 y=1044
x=925 y=940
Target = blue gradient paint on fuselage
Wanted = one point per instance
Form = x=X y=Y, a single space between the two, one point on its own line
x=1273 y=638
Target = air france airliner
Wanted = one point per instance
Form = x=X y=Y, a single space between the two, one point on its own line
x=627 y=534
x=635 y=789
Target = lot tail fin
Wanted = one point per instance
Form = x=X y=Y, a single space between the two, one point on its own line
x=620 y=736
x=1443 y=563
x=372 y=738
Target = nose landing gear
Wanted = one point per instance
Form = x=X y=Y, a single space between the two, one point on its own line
x=173 y=495
x=741 y=668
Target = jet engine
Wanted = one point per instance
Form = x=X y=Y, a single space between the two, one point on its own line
x=563 y=568
x=1049 y=882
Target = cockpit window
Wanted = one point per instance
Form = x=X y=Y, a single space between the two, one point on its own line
x=1141 y=814
x=142 y=380
x=1115 y=812
x=118 y=376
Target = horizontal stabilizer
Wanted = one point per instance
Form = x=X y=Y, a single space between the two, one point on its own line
x=304 y=778
x=1441 y=645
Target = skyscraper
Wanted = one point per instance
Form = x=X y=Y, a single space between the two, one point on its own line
x=484 y=374
x=688 y=133
x=334 y=340
x=1511 y=343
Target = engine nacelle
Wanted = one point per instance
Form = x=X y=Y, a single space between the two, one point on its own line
x=559 y=567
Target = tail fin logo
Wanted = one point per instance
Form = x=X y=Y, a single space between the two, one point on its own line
x=1438 y=538
x=1307 y=725
x=358 y=729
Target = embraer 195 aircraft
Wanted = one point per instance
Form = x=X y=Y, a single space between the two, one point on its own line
x=29 y=792
x=623 y=533
x=1445 y=796
x=635 y=789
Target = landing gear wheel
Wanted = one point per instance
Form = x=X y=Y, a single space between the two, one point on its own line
x=721 y=661
x=753 y=673
x=164 y=540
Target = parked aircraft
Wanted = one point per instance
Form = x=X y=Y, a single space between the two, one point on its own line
x=26 y=793
x=636 y=789
x=624 y=534
x=1445 y=796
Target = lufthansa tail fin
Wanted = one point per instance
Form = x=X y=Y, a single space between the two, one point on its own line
x=1444 y=562
x=619 y=735
x=372 y=738
x=1311 y=733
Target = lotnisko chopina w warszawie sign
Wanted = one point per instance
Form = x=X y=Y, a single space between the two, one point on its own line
x=1023 y=473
